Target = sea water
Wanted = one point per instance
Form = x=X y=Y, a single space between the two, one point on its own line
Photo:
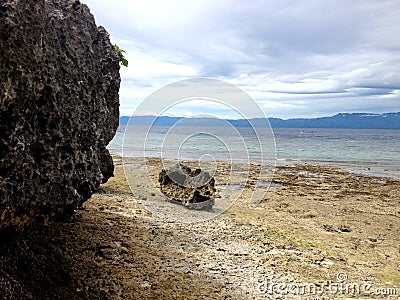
x=371 y=151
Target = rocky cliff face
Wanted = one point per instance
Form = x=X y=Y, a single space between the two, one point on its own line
x=59 y=108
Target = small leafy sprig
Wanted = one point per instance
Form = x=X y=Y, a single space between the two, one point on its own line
x=120 y=53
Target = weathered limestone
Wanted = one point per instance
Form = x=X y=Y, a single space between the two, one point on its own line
x=193 y=188
x=59 y=108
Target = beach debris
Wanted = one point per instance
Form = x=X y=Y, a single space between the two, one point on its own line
x=310 y=175
x=344 y=228
x=193 y=188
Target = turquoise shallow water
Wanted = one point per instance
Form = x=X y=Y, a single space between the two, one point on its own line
x=375 y=152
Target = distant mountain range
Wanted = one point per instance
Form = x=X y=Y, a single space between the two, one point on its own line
x=342 y=120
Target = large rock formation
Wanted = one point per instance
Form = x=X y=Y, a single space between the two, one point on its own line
x=193 y=188
x=59 y=108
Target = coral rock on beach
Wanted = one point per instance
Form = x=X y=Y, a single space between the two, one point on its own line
x=193 y=188
x=59 y=108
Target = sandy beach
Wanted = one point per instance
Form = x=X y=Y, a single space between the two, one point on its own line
x=317 y=226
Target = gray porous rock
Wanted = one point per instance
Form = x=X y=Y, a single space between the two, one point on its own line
x=59 y=108
x=193 y=188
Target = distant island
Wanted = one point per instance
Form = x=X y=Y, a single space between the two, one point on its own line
x=342 y=120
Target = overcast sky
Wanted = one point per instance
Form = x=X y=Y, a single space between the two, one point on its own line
x=295 y=58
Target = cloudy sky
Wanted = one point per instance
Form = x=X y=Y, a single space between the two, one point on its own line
x=294 y=58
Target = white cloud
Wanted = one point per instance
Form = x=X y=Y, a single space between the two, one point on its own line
x=296 y=58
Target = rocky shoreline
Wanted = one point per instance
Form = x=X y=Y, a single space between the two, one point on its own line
x=316 y=222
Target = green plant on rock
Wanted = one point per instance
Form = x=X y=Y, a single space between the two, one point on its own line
x=120 y=53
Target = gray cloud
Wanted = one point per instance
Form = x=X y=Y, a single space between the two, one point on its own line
x=299 y=58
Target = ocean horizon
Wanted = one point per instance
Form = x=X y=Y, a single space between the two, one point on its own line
x=388 y=120
x=367 y=151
